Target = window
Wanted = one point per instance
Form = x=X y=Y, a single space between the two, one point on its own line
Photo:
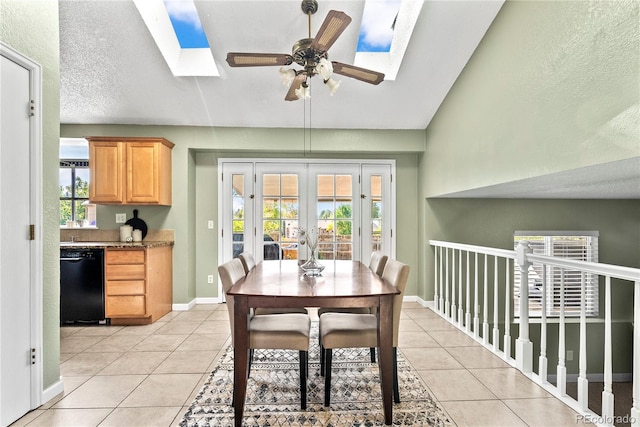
x=75 y=209
x=580 y=245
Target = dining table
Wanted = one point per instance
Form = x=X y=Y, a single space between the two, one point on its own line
x=283 y=284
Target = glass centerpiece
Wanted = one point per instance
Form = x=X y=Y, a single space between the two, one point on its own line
x=311 y=267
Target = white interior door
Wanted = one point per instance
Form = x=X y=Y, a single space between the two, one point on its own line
x=15 y=244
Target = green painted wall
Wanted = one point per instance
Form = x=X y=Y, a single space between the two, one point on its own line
x=195 y=181
x=31 y=28
x=553 y=86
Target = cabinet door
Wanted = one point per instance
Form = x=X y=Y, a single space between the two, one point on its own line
x=143 y=184
x=105 y=167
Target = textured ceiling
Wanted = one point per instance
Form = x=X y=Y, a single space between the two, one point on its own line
x=112 y=71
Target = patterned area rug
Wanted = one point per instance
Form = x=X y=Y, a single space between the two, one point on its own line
x=273 y=395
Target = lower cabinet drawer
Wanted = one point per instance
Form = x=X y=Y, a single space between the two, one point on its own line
x=125 y=271
x=125 y=287
x=125 y=305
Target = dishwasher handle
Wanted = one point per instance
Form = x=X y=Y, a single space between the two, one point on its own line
x=71 y=259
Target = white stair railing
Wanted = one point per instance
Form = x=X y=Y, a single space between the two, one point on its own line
x=457 y=299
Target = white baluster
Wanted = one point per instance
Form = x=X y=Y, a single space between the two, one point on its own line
x=524 y=347
x=467 y=320
x=542 y=359
x=562 y=368
x=507 y=312
x=496 y=331
x=607 y=393
x=447 y=313
x=441 y=303
x=435 y=278
x=476 y=306
x=583 y=383
x=460 y=310
x=635 y=409
x=485 y=304
x=453 y=286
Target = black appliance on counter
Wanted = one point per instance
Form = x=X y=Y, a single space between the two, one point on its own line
x=81 y=285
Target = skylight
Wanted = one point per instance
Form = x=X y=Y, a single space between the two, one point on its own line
x=186 y=24
x=185 y=56
x=385 y=32
x=376 y=29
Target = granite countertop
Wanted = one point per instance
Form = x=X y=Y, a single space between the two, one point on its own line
x=120 y=245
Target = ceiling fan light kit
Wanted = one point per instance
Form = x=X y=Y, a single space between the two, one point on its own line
x=311 y=54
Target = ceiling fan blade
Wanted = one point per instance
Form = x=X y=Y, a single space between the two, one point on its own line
x=297 y=82
x=239 y=59
x=334 y=24
x=368 y=76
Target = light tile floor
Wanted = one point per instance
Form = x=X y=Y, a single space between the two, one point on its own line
x=148 y=375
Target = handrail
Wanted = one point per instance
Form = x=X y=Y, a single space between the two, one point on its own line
x=458 y=297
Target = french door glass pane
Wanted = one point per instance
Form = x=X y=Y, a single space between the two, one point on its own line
x=238 y=220
x=376 y=212
x=280 y=216
x=334 y=210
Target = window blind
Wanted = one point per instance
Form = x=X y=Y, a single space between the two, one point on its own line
x=578 y=245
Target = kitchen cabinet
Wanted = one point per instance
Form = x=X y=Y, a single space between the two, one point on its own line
x=138 y=284
x=135 y=171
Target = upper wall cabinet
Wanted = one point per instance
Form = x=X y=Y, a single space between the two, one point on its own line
x=135 y=171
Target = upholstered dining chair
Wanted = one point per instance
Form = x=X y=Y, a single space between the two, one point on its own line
x=376 y=264
x=248 y=261
x=288 y=331
x=354 y=330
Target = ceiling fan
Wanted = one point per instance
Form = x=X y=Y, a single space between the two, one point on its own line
x=311 y=54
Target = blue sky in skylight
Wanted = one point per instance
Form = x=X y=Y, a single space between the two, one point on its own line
x=186 y=24
x=376 y=32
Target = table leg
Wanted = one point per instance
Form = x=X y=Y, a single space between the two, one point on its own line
x=385 y=362
x=240 y=355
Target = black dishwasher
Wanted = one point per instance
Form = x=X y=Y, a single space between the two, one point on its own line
x=81 y=285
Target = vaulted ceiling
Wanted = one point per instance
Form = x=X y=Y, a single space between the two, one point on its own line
x=113 y=72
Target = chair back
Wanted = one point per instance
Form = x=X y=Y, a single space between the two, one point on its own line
x=248 y=261
x=396 y=274
x=231 y=272
x=377 y=262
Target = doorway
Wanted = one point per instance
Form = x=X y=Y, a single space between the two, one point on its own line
x=20 y=236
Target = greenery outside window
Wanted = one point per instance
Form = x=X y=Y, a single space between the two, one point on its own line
x=75 y=209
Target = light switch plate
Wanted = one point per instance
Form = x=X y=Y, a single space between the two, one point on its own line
x=121 y=218
x=210 y=224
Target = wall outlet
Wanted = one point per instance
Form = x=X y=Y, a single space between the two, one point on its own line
x=210 y=278
x=210 y=224
x=569 y=355
x=121 y=218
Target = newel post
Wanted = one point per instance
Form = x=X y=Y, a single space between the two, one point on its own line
x=524 y=346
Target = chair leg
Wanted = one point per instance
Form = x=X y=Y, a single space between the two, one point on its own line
x=396 y=391
x=250 y=360
x=327 y=377
x=321 y=360
x=372 y=350
x=304 y=366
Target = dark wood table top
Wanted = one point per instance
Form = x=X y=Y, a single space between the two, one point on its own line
x=346 y=279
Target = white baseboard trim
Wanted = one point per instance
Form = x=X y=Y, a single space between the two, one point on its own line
x=415 y=298
x=52 y=391
x=188 y=306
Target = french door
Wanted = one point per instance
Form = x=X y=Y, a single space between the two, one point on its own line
x=349 y=205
